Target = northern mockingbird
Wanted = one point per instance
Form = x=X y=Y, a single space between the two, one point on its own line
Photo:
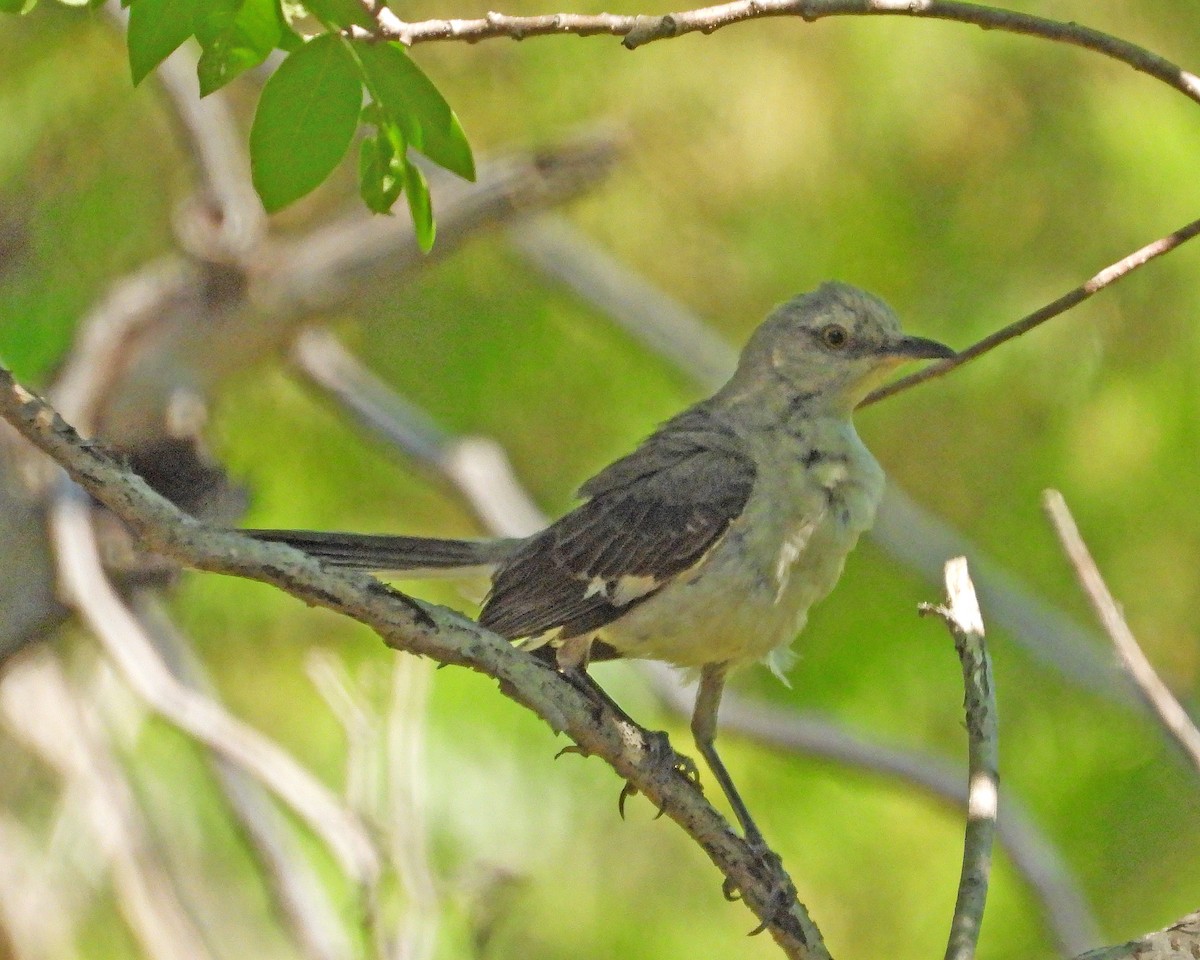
x=705 y=546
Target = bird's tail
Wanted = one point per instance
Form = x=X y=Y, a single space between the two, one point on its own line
x=412 y=556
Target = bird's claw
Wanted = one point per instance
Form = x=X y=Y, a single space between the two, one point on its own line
x=572 y=748
x=627 y=791
x=783 y=895
x=665 y=758
x=782 y=891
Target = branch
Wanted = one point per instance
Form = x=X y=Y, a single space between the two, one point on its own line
x=965 y=622
x=640 y=29
x=424 y=630
x=1158 y=696
x=1109 y=275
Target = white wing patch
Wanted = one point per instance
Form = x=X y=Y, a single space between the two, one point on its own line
x=793 y=545
x=623 y=590
x=630 y=588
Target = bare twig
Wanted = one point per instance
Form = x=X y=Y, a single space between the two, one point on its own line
x=477 y=467
x=962 y=617
x=431 y=631
x=1109 y=275
x=640 y=29
x=513 y=513
x=123 y=639
x=1158 y=696
x=1068 y=916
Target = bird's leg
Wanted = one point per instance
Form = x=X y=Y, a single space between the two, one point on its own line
x=573 y=668
x=704 y=730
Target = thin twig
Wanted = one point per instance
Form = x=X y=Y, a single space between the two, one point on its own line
x=1171 y=714
x=962 y=617
x=1040 y=864
x=1179 y=941
x=640 y=29
x=477 y=467
x=1109 y=275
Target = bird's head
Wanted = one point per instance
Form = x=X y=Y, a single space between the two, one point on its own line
x=829 y=349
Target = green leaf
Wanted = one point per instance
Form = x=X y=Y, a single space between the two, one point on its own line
x=156 y=28
x=380 y=173
x=400 y=88
x=419 y=205
x=306 y=117
x=339 y=14
x=16 y=6
x=235 y=35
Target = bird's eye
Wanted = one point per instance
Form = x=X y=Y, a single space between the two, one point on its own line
x=834 y=336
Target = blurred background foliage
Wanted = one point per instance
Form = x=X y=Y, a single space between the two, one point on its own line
x=965 y=176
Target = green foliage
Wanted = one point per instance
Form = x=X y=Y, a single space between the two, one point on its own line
x=408 y=111
x=235 y=35
x=306 y=117
x=380 y=171
x=304 y=122
x=408 y=99
x=156 y=29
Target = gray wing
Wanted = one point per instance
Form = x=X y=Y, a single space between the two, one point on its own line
x=648 y=517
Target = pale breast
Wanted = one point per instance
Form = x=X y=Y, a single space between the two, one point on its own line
x=751 y=594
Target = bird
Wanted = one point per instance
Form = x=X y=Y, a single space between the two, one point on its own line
x=707 y=545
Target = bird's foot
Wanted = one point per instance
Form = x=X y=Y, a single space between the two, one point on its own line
x=666 y=761
x=782 y=892
x=665 y=758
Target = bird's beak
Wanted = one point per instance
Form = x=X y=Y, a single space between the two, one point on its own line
x=918 y=348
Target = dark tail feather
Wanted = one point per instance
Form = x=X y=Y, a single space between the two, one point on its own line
x=395 y=553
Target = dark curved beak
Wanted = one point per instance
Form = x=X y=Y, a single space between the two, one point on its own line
x=918 y=348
